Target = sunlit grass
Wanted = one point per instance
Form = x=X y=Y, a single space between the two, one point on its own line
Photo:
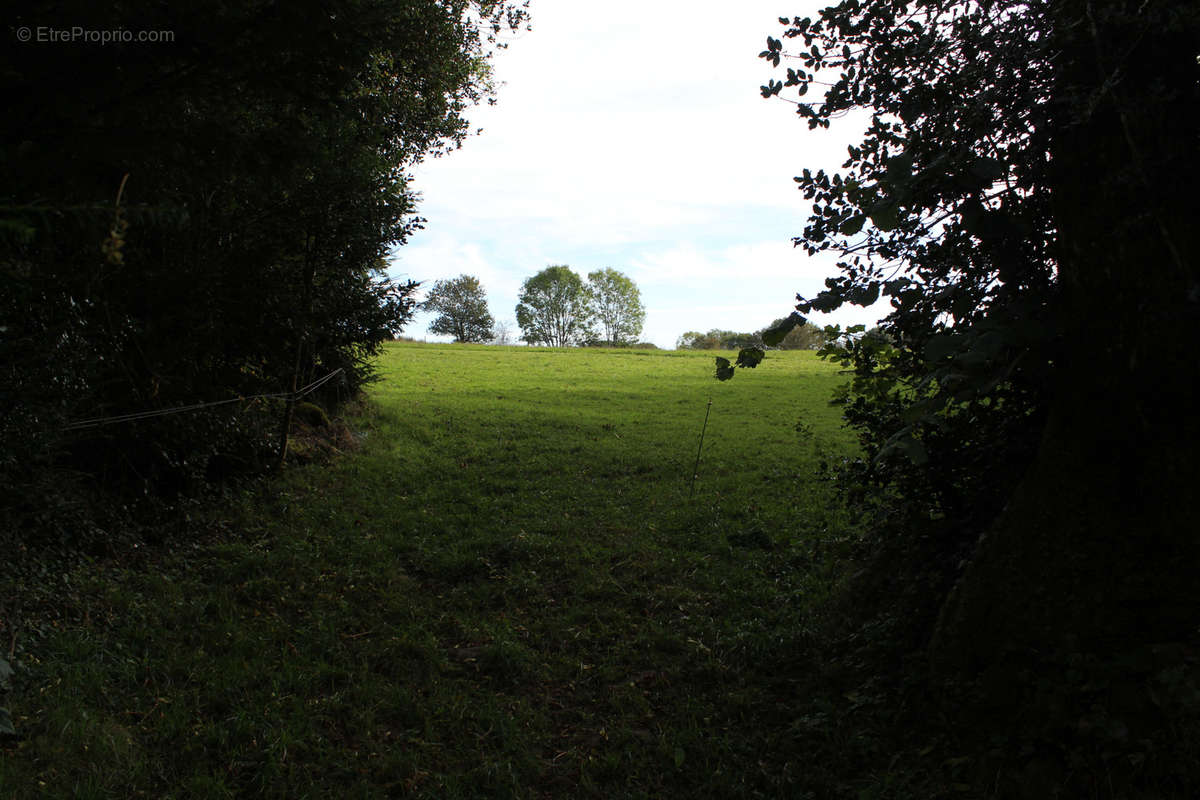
x=510 y=590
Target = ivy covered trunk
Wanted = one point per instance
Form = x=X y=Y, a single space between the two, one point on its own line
x=1098 y=550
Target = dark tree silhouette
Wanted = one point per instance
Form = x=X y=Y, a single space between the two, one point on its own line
x=1025 y=197
x=206 y=218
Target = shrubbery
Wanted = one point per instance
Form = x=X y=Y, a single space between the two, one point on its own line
x=205 y=223
x=801 y=337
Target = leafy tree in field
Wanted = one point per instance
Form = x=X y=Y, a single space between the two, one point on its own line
x=554 y=309
x=462 y=309
x=1024 y=195
x=617 y=306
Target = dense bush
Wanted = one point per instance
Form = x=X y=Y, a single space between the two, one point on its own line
x=717 y=339
x=1022 y=197
x=798 y=337
x=206 y=219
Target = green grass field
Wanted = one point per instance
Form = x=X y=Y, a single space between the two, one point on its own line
x=506 y=591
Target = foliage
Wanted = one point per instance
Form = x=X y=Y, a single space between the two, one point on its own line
x=6 y=722
x=554 y=308
x=750 y=346
x=947 y=208
x=1019 y=196
x=747 y=358
x=617 y=305
x=944 y=207
x=693 y=340
x=206 y=219
x=801 y=337
x=717 y=339
x=462 y=309
x=630 y=345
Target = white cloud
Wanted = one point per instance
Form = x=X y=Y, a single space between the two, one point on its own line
x=632 y=135
x=743 y=287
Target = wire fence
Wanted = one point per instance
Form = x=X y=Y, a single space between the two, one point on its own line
x=164 y=412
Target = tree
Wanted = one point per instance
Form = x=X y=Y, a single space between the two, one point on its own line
x=207 y=220
x=1024 y=197
x=800 y=337
x=553 y=308
x=617 y=305
x=695 y=340
x=462 y=309
x=717 y=339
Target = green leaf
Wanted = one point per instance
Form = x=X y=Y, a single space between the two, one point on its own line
x=885 y=216
x=867 y=295
x=750 y=357
x=988 y=169
x=19 y=230
x=941 y=346
x=853 y=225
x=724 y=369
x=774 y=335
x=6 y=723
x=904 y=442
x=827 y=301
x=915 y=450
x=679 y=756
x=6 y=672
x=899 y=167
x=972 y=213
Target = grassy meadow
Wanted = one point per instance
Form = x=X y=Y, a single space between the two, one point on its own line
x=506 y=590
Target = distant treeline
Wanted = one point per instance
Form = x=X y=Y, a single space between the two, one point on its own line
x=802 y=337
x=627 y=345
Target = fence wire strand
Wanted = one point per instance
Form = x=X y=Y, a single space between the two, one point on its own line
x=164 y=412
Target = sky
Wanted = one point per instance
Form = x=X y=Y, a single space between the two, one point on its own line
x=632 y=135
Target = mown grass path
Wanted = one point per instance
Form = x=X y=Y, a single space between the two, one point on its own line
x=506 y=592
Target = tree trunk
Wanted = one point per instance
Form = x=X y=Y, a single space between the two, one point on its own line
x=1098 y=549
x=304 y=313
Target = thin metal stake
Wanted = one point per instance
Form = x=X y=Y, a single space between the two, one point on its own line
x=696 y=468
